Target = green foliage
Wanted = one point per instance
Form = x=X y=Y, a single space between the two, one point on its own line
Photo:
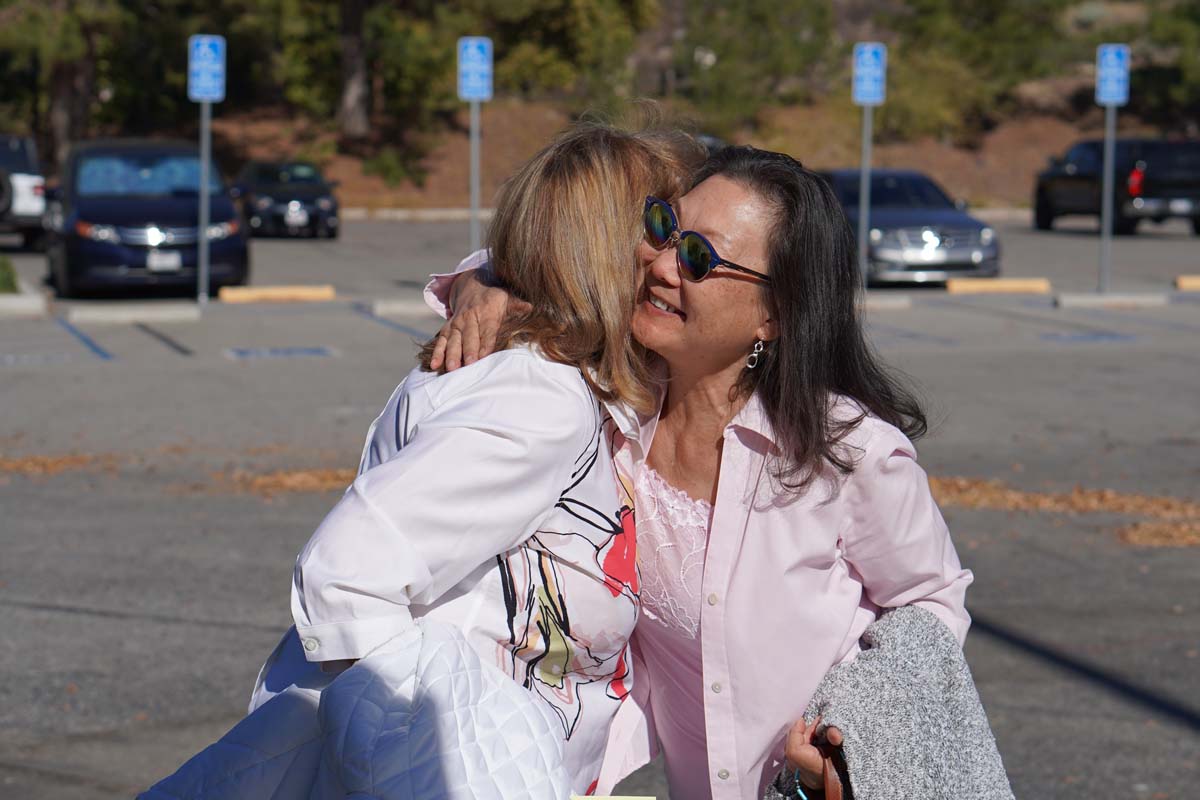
x=396 y=165
x=8 y=276
x=735 y=59
x=1176 y=27
x=956 y=60
x=931 y=93
x=307 y=63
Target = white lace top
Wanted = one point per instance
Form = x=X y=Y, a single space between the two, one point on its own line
x=672 y=537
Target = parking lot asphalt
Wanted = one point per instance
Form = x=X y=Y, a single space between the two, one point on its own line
x=158 y=479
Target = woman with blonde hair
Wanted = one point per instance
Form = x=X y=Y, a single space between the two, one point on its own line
x=486 y=499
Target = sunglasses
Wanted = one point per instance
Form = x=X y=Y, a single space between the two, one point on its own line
x=696 y=256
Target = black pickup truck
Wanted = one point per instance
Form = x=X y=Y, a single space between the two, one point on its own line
x=1153 y=179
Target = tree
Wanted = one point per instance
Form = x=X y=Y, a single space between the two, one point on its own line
x=734 y=60
x=353 y=109
x=956 y=60
x=1175 y=26
x=67 y=40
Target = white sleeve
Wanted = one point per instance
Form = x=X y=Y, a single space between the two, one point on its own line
x=473 y=480
x=437 y=291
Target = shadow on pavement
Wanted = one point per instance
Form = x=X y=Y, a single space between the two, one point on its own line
x=1100 y=678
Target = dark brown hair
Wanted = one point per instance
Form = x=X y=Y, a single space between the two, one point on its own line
x=814 y=296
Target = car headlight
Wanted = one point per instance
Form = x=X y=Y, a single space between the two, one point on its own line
x=325 y=203
x=987 y=236
x=222 y=230
x=876 y=236
x=97 y=233
x=263 y=203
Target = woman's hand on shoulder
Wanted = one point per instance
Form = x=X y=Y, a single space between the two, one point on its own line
x=470 y=333
x=804 y=751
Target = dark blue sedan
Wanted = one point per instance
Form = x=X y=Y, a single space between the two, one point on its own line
x=126 y=215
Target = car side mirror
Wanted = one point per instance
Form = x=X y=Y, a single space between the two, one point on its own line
x=961 y=204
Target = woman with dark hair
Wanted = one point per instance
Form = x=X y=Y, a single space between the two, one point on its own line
x=779 y=505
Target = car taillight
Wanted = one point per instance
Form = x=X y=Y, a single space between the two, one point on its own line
x=1136 y=180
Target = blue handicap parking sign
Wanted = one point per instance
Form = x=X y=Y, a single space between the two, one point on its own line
x=1112 y=74
x=474 y=68
x=870 y=73
x=206 y=68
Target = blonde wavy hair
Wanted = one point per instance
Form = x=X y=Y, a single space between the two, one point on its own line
x=564 y=238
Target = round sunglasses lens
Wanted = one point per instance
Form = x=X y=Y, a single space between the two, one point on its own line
x=658 y=224
x=695 y=256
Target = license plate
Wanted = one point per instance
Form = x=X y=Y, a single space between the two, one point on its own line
x=1183 y=206
x=164 y=261
x=295 y=217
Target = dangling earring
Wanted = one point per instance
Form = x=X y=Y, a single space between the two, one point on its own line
x=756 y=354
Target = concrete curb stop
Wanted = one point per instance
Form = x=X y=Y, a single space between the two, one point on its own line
x=1187 y=283
x=26 y=303
x=121 y=313
x=1095 y=300
x=321 y=293
x=998 y=286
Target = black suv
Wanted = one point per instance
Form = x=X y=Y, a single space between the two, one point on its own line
x=1153 y=179
x=22 y=189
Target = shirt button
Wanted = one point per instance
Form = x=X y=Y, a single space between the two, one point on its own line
x=716 y=687
x=311 y=645
x=723 y=774
x=712 y=599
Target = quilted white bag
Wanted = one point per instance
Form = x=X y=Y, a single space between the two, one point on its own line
x=422 y=717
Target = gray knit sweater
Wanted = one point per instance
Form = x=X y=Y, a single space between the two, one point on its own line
x=913 y=725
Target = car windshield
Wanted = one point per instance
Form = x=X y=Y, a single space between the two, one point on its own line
x=287 y=173
x=141 y=175
x=894 y=191
x=15 y=156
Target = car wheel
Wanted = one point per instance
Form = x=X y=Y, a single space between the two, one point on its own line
x=1043 y=215
x=1196 y=226
x=62 y=283
x=34 y=240
x=1125 y=226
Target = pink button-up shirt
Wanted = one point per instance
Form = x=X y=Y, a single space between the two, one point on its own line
x=790 y=584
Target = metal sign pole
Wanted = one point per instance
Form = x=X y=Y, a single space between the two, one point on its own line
x=475 y=167
x=864 y=191
x=474 y=87
x=1112 y=90
x=1106 y=201
x=202 y=230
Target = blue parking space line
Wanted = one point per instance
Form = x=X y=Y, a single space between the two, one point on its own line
x=364 y=311
x=252 y=353
x=87 y=341
x=1089 y=337
x=914 y=336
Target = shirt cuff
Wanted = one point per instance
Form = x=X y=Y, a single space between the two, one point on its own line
x=437 y=291
x=334 y=641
